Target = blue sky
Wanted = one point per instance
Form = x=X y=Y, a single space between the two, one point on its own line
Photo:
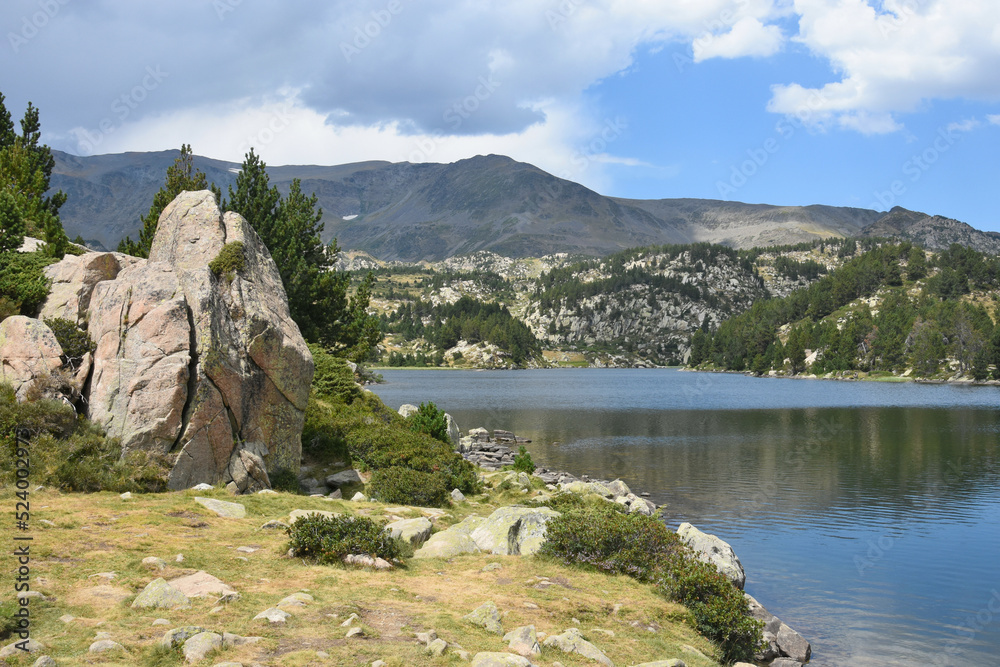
x=841 y=102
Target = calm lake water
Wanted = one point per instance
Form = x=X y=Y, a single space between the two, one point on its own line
x=867 y=515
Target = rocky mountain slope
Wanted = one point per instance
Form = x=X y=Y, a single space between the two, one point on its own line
x=933 y=232
x=412 y=212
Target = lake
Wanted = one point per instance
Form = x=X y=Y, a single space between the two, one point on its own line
x=866 y=515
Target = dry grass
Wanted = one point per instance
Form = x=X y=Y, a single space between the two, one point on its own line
x=97 y=533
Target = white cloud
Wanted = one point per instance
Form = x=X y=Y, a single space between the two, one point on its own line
x=894 y=59
x=748 y=37
x=994 y=119
x=967 y=125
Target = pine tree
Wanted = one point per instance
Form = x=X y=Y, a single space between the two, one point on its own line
x=25 y=173
x=181 y=176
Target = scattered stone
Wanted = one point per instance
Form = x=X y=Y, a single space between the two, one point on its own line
x=426 y=638
x=714 y=551
x=499 y=660
x=354 y=632
x=201 y=584
x=177 y=636
x=267 y=492
x=453 y=541
x=161 y=621
x=126 y=496
x=200 y=645
x=486 y=616
x=785 y=662
x=414 y=531
x=202 y=487
x=44 y=661
x=154 y=563
x=104 y=646
x=274 y=524
x=179 y=558
x=491 y=567
x=247 y=550
x=457 y=496
x=273 y=616
x=437 y=648
x=571 y=641
x=160 y=595
x=523 y=640
x=343 y=478
x=296 y=600
x=359 y=498
x=66 y=618
x=407 y=409
x=365 y=560
x=793 y=645
x=676 y=663
x=336 y=495
x=350 y=621
x=379 y=663
x=223 y=508
x=607 y=633
x=12 y=649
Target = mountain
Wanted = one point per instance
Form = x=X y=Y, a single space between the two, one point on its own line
x=414 y=212
x=933 y=232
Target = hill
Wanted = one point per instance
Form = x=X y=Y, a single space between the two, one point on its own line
x=414 y=212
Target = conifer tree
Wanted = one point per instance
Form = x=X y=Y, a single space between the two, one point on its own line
x=25 y=172
x=181 y=176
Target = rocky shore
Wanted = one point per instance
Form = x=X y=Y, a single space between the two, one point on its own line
x=785 y=646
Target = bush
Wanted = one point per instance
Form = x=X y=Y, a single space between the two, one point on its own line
x=645 y=549
x=23 y=285
x=333 y=377
x=284 y=479
x=404 y=486
x=230 y=260
x=523 y=462
x=322 y=437
x=74 y=341
x=329 y=539
x=432 y=421
x=72 y=453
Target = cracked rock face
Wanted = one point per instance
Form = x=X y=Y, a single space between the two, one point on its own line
x=208 y=370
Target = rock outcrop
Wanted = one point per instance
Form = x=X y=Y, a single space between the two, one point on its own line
x=207 y=370
x=29 y=352
x=714 y=551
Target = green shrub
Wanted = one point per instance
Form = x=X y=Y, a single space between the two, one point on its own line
x=284 y=479
x=74 y=341
x=404 y=486
x=645 y=549
x=8 y=622
x=523 y=462
x=333 y=377
x=23 y=285
x=329 y=539
x=322 y=437
x=230 y=260
x=432 y=421
x=72 y=453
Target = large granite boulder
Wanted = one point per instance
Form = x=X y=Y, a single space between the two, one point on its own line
x=29 y=352
x=208 y=370
x=74 y=279
x=714 y=551
x=514 y=531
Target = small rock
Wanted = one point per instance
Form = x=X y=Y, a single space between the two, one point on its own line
x=490 y=567
x=179 y=558
x=486 y=616
x=350 y=621
x=523 y=640
x=379 y=663
x=66 y=618
x=437 y=648
x=222 y=508
x=126 y=496
x=786 y=662
x=676 y=663
x=354 y=632
x=571 y=641
x=426 y=638
x=12 y=649
x=297 y=599
x=161 y=621
x=267 y=492
x=154 y=563
x=499 y=660
x=457 y=496
x=273 y=616
x=105 y=645
x=336 y=495
x=160 y=595
x=177 y=636
x=230 y=640
x=44 y=661
x=201 y=584
x=102 y=635
x=274 y=524
x=202 y=487
x=197 y=647
x=359 y=498
x=367 y=561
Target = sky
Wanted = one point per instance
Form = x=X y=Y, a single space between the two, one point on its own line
x=865 y=103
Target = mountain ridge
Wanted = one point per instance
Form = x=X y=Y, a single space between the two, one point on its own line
x=430 y=211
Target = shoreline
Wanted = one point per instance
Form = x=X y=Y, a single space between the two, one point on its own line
x=889 y=379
